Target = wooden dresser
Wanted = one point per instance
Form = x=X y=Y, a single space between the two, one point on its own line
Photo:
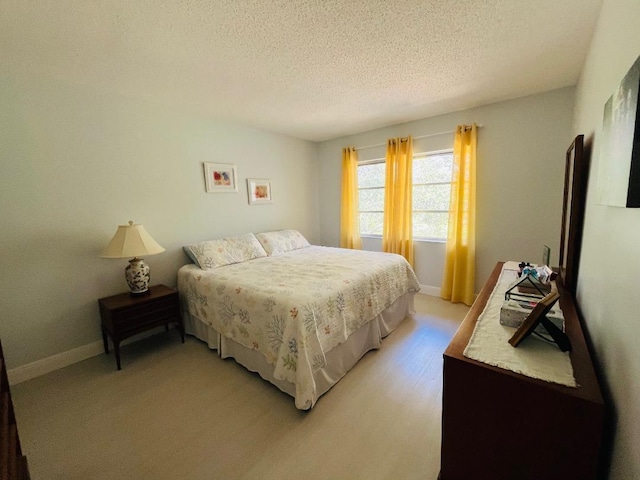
x=497 y=424
x=13 y=465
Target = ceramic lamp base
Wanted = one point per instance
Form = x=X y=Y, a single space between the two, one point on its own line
x=137 y=275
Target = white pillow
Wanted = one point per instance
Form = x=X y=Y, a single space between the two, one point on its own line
x=225 y=251
x=282 y=241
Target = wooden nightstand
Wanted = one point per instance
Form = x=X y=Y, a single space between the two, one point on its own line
x=125 y=315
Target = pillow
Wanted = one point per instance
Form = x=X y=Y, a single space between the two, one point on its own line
x=282 y=241
x=225 y=251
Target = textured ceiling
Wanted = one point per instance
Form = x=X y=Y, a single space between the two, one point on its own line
x=311 y=69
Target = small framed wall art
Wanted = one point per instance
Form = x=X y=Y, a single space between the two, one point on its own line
x=220 y=177
x=259 y=190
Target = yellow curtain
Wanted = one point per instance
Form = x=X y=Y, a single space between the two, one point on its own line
x=460 y=261
x=349 y=220
x=397 y=227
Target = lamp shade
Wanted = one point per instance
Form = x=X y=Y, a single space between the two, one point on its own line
x=131 y=240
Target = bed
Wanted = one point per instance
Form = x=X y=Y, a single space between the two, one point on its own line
x=299 y=315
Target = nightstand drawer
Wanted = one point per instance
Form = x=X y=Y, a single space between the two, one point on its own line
x=145 y=321
x=136 y=313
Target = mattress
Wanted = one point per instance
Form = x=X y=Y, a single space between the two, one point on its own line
x=289 y=311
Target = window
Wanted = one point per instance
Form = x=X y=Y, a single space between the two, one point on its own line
x=431 y=192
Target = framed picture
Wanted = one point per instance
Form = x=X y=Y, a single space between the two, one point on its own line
x=259 y=190
x=619 y=165
x=546 y=255
x=220 y=177
x=538 y=316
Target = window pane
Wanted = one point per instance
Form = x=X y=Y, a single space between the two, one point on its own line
x=430 y=225
x=431 y=197
x=371 y=200
x=371 y=223
x=371 y=175
x=433 y=168
x=427 y=171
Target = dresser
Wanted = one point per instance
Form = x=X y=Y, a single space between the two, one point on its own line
x=13 y=464
x=499 y=425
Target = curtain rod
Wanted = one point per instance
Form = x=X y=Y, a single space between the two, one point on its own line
x=415 y=138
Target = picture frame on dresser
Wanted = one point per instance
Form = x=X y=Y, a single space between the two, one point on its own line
x=538 y=317
x=573 y=206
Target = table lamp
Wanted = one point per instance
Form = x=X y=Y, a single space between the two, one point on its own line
x=132 y=240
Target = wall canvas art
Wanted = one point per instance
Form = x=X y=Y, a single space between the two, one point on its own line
x=220 y=177
x=619 y=172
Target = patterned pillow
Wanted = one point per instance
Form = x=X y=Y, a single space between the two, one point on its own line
x=225 y=251
x=282 y=241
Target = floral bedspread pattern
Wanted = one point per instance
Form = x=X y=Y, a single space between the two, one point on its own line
x=295 y=307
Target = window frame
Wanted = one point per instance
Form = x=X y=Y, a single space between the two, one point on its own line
x=425 y=154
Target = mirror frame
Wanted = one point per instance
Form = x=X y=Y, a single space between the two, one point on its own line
x=573 y=207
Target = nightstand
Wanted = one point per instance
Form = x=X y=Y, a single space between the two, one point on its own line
x=125 y=315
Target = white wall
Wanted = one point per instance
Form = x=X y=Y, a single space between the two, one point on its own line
x=76 y=163
x=520 y=175
x=608 y=275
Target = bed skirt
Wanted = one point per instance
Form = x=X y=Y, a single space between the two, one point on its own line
x=340 y=359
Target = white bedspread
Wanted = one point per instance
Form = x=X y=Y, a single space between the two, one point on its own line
x=295 y=307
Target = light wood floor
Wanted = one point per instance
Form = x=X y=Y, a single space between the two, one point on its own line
x=179 y=412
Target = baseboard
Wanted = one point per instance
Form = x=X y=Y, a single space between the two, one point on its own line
x=428 y=290
x=435 y=291
x=49 y=364
x=64 y=359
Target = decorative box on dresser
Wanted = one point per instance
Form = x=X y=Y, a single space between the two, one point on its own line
x=125 y=315
x=499 y=425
